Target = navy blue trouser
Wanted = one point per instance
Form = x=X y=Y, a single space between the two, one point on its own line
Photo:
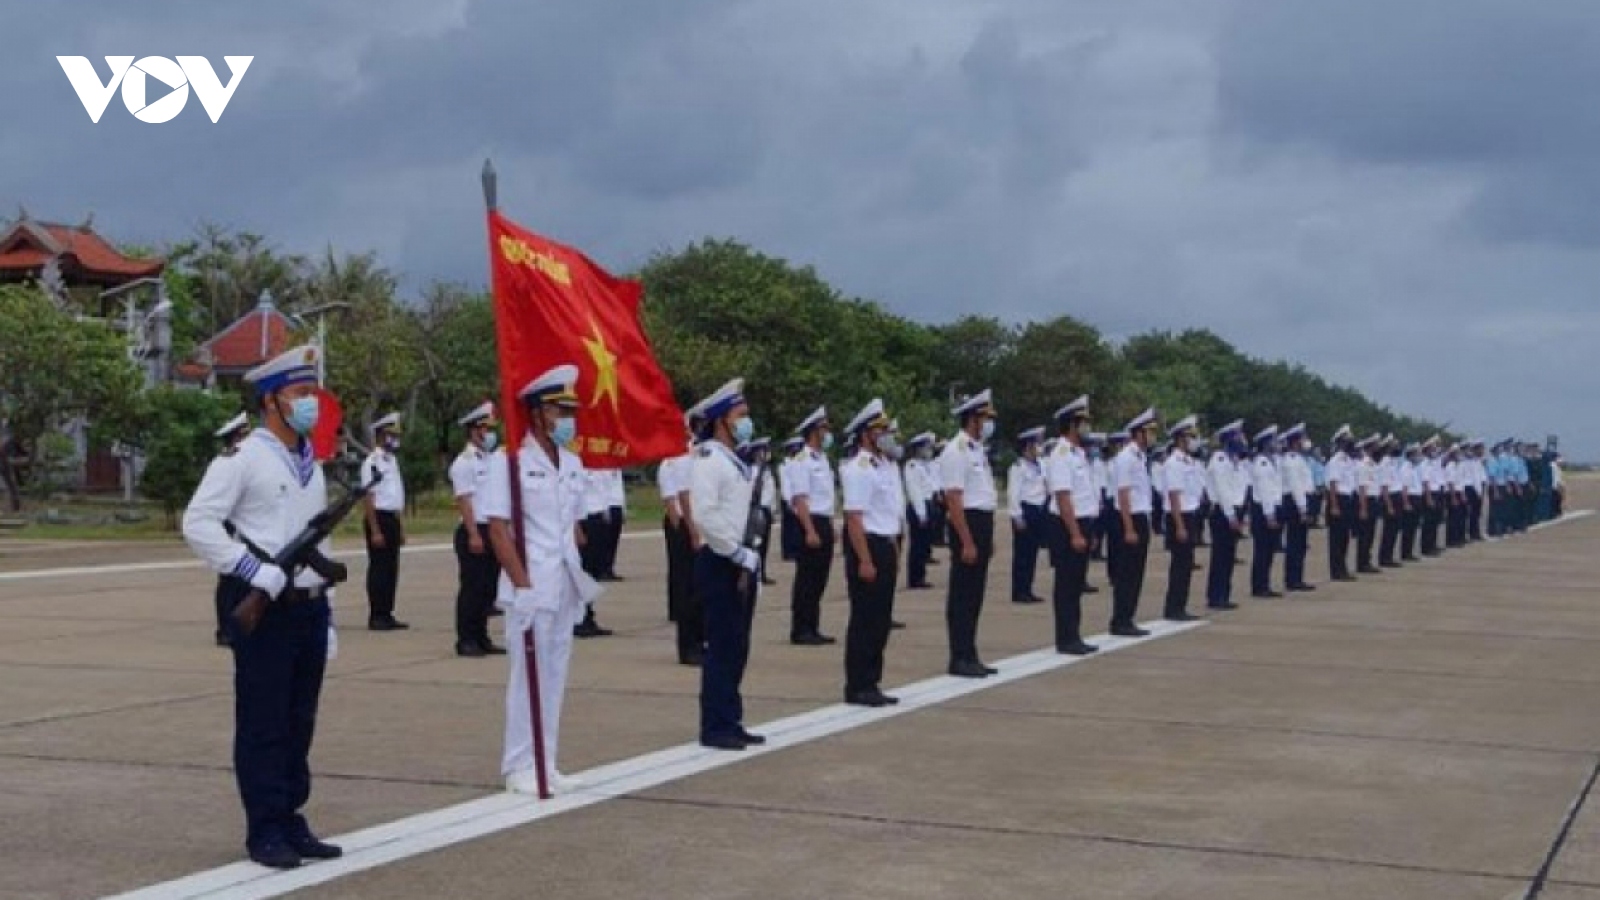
x=729 y=612
x=1297 y=541
x=1025 y=547
x=1265 y=541
x=1340 y=527
x=277 y=679
x=1072 y=568
x=1224 y=550
x=964 y=596
x=921 y=549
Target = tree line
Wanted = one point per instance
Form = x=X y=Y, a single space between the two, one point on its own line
x=713 y=310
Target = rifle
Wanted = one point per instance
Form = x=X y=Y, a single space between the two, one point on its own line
x=301 y=552
x=755 y=523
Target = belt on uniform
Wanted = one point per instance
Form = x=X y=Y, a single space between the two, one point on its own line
x=302 y=595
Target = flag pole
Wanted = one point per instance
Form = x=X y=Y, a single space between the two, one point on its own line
x=513 y=455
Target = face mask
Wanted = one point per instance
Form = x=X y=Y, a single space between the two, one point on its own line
x=302 y=415
x=827 y=441
x=743 y=430
x=563 y=432
x=888 y=445
x=987 y=431
x=491 y=441
x=392 y=443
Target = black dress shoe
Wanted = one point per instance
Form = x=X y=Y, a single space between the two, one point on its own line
x=1410 y=559
x=874 y=699
x=490 y=649
x=896 y=625
x=1344 y=578
x=1025 y=598
x=590 y=629
x=691 y=659
x=275 y=855
x=919 y=586
x=754 y=740
x=386 y=623
x=1389 y=565
x=309 y=847
x=1228 y=605
x=988 y=669
x=1181 y=617
x=496 y=611
x=812 y=640
x=1090 y=589
x=1302 y=588
x=1265 y=595
x=769 y=582
x=1129 y=631
x=968 y=669
x=723 y=742
x=1077 y=649
x=1370 y=570
x=470 y=649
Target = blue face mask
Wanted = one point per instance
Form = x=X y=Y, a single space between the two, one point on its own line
x=827 y=441
x=743 y=430
x=987 y=431
x=564 y=431
x=491 y=441
x=302 y=415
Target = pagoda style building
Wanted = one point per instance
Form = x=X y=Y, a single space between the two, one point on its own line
x=259 y=335
x=73 y=263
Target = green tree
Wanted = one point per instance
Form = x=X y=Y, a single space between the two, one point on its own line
x=176 y=434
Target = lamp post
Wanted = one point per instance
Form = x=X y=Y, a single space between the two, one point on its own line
x=321 y=312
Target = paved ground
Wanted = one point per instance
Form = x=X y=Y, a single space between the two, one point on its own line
x=1421 y=734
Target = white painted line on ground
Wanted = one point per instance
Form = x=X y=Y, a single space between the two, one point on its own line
x=1565 y=518
x=124 y=568
x=414 y=835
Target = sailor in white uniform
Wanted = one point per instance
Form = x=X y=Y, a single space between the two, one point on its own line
x=384 y=532
x=970 y=500
x=478 y=572
x=874 y=505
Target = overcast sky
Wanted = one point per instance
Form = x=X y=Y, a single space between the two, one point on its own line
x=1404 y=195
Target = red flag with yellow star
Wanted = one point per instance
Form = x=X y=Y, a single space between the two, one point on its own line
x=554 y=306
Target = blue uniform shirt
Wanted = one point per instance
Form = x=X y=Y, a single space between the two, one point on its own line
x=1319 y=472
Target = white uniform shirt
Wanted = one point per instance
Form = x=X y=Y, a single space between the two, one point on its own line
x=1411 y=476
x=1158 y=479
x=268 y=492
x=769 y=490
x=919 y=487
x=1068 y=469
x=1101 y=470
x=872 y=488
x=1367 y=478
x=673 y=477
x=616 y=488
x=964 y=467
x=596 y=493
x=813 y=480
x=1394 y=477
x=1433 y=476
x=1266 y=483
x=552 y=505
x=390 y=494
x=722 y=488
x=1130 y=471
x=1556 y=478
x=1024 y=485
x=1183 y=474
x=1297 y=480
x=1453 y=476
x=1341 y=474
x=1227 y=483
x=468 y=475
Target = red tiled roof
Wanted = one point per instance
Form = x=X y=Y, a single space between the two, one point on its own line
x=239 y=346
x=20 y=248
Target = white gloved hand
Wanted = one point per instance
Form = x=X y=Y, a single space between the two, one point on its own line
x=746 y=559
x=270 y=580
x=333 y=642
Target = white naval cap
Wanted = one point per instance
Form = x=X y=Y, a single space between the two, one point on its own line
x=981 y=403
x=1369 y=441
x=1077 y=409
x=232 y=425
x=1095 y=437
x=391 y=422
x=1343 y=434
x=1266 y=434
x=1431 y=442
x=1031 y=435
x=1142 y=420
x=754 y=444
x=722 y=401
x=870 y=416
x=793 y=444
x=1119 y=437
x=1186 y=424
x=296 y=366
x=926 y=437
x=554 y=386
x=1234 y=427
x=483 y=413
x=1298 y=431
x=819 y=416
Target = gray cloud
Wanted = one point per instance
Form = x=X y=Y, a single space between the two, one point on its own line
x=1402 y=196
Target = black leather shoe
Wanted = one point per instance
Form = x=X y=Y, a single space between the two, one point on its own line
x=1129 y=631
x=309 y=847
x=812 y=640
x=1229 y=605
x=1389 y=565
x=919 y=586
x=691 y=659
x=1344 y=578
x=769 y=582
x=723 y=742
x=275 y=855
x=968 y=669
x=753 y=740
x=896 y=625
x=1077 y=649
x=1302 y=588
x=1370 y=570
x=590 y=629
x=1265 y=595
x=1091 y=589
x=988 y=669
x=489 y=649
x=1182 y=617
x=873 y=699
x=476 y=651
x=1410 y=559
x=386 y=623
x=1026 y=598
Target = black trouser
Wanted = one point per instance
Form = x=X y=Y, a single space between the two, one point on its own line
x=1367 y=533
x=1025 y=546
x=478 y=577
x=613 y=541
x=1072 y=570
x=1264 y=541
x=223 y=600
x=729 y=612
x=1392 y=523
x=1474 y=514
x=1297 y=541
x=1314 y=504
x=921 y=549
x=766 y=543
x=1432 y=517
x=1339 y=529
x=811 y=580
x=1158 y=512
x=1456 y=529
x=938 y=521
x=1111 y=537
x=1127 y=570
x=277 y=679
x=871 y=610
x=383 y=565
x=1180 y=568
x=790 y=533
x=964 y=601
x=1224 y=550
x=593 y=552
x=1409 y=520
x=683 y=607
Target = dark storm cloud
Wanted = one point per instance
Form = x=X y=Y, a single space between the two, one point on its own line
x=1396 y=194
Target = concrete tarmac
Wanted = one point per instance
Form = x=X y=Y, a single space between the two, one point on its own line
x=1426 y=733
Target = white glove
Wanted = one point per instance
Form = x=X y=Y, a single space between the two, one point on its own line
x=746 y=559
x=270 y=580
x=333 y=642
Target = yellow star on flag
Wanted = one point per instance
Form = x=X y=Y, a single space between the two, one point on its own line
x=605 y=367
